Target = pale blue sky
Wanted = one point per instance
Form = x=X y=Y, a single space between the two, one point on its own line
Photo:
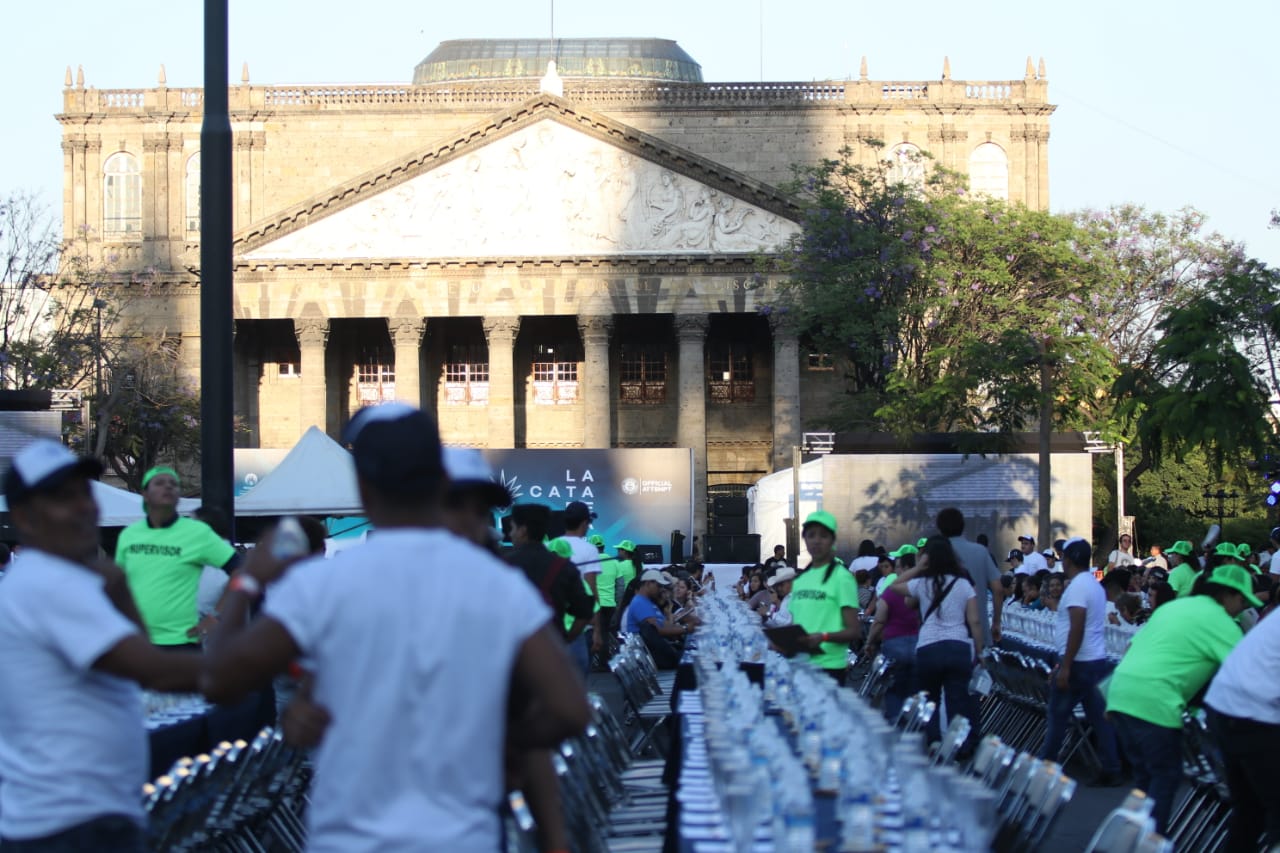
x=1163 y=104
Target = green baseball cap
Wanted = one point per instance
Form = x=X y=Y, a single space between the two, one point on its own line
x=1182 y=548
x=904 y=550
x=822 y=517
x=596 y=539
x=1226 y=549
x=1243 y=551
x=625 y=545
x=921 y=542
x=1237 y=578
x=560 y=547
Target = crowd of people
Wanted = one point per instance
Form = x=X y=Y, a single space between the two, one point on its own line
x=439 y=688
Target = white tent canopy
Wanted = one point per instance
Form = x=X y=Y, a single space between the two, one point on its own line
x=317 y=477
x=118 y=507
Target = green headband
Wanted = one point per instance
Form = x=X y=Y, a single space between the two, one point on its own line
x=156 y=471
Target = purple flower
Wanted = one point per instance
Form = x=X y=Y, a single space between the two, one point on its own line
x=929 y=229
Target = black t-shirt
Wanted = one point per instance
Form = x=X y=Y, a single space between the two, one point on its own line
x=565 y=594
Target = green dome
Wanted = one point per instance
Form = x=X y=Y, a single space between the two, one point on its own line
x=514 y=59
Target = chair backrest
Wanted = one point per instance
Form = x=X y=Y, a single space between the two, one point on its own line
x=1120 y=832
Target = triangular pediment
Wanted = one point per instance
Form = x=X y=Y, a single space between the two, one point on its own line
x=545 y=181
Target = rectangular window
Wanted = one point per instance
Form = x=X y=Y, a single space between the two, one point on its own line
x=643 y=374
x=375 y=383
x=289 y=368
x=555 y=377
x=732 y=377
x=466 y=376
x=820 y=361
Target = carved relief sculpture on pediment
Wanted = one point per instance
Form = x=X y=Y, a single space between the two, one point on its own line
x=545 y=190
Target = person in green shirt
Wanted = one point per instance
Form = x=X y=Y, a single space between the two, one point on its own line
x=615 y=574
x=824 y=599
x=163 y=557
x=1169 y=661
x=1183 y=570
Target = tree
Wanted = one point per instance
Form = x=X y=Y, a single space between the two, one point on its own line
x=941 y=306
x=69 y=322
x=1212 y=376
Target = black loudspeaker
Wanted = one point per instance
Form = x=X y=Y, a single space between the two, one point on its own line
x=729 y=505
x=733 y=525
x=677 y=547
x=650 y=554
x=743 y=550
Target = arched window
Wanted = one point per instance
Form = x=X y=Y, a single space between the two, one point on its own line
x=121 y=196
x=989 y=171
x=905 y=164
x=192 y=192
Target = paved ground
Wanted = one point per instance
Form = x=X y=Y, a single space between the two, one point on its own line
x=1071 y=833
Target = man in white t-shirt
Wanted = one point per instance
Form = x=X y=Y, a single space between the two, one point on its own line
x=424 y=678
x=1080 y=639
x=1244 y=715
x=590 y=562
x=73 y=746
x=1123 y=554
x=1032 y=561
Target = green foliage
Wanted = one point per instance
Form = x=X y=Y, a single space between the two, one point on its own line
x=1211 y=375
x=942 y=307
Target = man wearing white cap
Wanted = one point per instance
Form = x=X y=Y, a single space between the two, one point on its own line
x=418 y=704
x=780 y=585
x=1032 y=561
x=73 y=652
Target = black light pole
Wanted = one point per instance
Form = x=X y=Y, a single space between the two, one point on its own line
x=216 y=401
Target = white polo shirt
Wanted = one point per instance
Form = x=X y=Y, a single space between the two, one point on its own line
x=1083 y=591
x=72 y=741
x=1034 y=562
x=413 y=637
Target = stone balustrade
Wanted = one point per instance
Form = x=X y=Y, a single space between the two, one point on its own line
x=486 y=95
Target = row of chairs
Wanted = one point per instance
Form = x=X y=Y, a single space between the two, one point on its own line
x=614 y=797
x=1131 y=829
x=241 y=798
x=1030 y=794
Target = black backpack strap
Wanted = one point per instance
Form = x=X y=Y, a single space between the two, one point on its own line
x=937 y=601
x=549 y=579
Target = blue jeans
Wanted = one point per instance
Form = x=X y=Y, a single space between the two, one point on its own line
x=902 y=677
x=1082 y=689
x=581 y=653
x=1156 y=755
x=108 y=834
x=944 y=669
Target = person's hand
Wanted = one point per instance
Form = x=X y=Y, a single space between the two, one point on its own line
x=264 y=567
x=201 y=629
x=814 y=641
x=996 y=632
x=303 y=721
x=1062 y=677
x=597 y=641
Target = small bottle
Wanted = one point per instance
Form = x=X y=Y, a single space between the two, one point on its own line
x=290 y=540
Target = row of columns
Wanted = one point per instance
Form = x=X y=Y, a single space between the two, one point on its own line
x=500 y=332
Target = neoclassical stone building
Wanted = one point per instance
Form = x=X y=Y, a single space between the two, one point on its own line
x=544 y=260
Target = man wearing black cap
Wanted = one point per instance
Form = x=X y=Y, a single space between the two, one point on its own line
x=419 y=705
x=577 y=521
x=73 y=747
x=1080 y=638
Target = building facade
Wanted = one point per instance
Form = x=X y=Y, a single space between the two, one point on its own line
x=544 y=258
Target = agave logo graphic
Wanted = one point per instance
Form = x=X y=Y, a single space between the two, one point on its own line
x=630 y=486
x=512 y=483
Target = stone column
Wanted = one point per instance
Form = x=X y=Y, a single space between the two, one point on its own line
x=312 y=334
x=597 y=412
x=500 y=332
x=786 y=393
x=691 y=423
x=406 y=334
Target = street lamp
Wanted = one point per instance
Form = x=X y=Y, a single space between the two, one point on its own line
x=1095 y=445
